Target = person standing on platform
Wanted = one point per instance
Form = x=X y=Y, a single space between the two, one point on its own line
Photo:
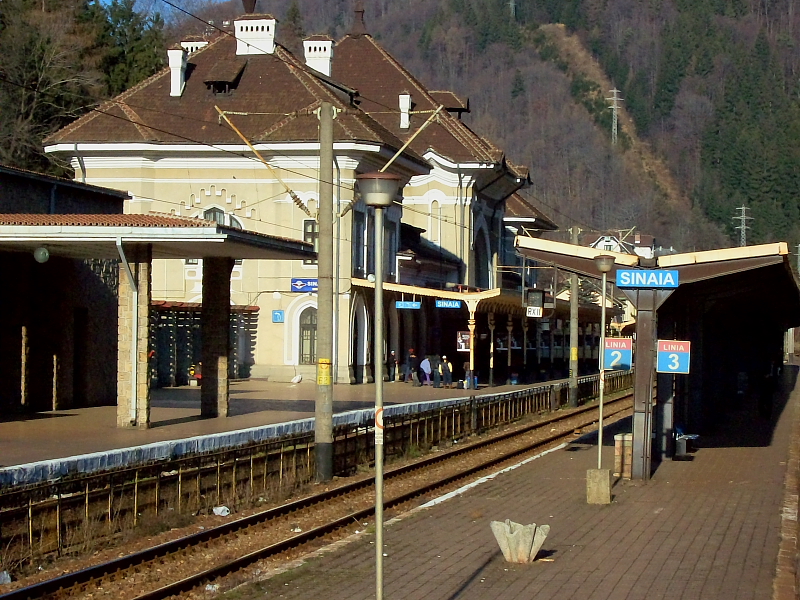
x=425 y=365
x=408 y=365
x=446 y=369
x=392 y=365
x=415 y=369
x=467 y=376
x=436 y=368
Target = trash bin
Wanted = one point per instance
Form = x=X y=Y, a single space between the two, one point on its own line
x=623 y=455
x=683 y=444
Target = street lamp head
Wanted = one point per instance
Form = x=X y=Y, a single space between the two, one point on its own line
x=41 y=254
x=604 y=262
x=378 y=189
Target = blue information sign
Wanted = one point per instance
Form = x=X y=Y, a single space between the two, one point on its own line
x=673 y=356
x=278 y=316
x=644 y=278
x=300 y=284
x=407 y=304
x=618 y=354
x=448 y=304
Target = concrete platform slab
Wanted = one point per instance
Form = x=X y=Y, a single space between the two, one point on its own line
x=175 y=414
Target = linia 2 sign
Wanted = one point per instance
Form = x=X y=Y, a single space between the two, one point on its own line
x=643 y=278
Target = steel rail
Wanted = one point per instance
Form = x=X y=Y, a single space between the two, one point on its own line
x=83 y=576
x=198 y=579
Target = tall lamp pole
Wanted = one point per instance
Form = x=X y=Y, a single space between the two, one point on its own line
x=379 y=191
x=604 y=264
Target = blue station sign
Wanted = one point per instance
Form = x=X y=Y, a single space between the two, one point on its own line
x=673 y=356
x=407 y=304
x=448 y=303
x=617 y=354
x=300 y=284
x=647 y=278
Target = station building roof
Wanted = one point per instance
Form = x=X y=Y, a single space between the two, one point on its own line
x=97 y=236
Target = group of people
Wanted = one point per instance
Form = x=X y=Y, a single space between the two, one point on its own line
x=426 y=370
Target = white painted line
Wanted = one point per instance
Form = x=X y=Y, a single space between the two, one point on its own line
x=477 y=482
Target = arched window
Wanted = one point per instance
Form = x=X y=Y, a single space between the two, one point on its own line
x=235 y=223
x=215 y=214
x=308 y=336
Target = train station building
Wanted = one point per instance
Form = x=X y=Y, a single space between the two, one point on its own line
x=167 y=144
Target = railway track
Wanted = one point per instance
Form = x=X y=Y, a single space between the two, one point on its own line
x=160 y=571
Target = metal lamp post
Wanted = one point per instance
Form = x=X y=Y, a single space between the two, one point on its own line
x=379 y=191
x=604 y=264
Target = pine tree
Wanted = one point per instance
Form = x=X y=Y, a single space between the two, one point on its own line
x=517 y=86
x=295 y=32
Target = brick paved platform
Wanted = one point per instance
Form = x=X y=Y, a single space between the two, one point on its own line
x=705 y=529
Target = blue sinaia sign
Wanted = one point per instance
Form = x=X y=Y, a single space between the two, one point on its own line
x=304 y=285
x=643 y=278
x=448 y=303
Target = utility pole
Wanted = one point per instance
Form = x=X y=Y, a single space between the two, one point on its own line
x=323 y=408
x=743 y=226
x=573 y=328
x=615 y=99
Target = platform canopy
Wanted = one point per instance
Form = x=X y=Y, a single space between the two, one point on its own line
x=83 y=236
x=692 y=266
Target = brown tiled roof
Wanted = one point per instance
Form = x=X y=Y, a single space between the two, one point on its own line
x=361 y=62
x=520 y=207
x=15 y=171
x=226 y=69
x=102 y=221
x=318 y=38
x=449 y=100
x=197 y=306
x=277 y=90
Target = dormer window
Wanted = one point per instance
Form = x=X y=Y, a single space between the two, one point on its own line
x=225 y=75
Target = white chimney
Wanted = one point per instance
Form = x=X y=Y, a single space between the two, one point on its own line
x=193 y=45
x=177 y=70
x=255 y=34
x=318 y=51
x=405 y=110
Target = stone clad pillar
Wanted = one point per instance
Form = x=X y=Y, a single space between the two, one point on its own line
x=215 y=333
x=140 y=264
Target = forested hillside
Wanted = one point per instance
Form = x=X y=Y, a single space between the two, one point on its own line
x=710 y=92
x=58 y=58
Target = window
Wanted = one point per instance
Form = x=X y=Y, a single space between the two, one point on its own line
x=215 y=214
x=370 y=249
x=390 y=249
x=311 y=235
x=358 y=244
x=308 y=336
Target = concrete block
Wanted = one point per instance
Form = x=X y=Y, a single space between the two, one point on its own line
x=598 y=486
x=519 y=543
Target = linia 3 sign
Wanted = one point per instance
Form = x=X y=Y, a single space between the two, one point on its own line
x=647 y=278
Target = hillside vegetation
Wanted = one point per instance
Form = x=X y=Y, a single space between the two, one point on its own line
x=710 y=92
x=710 y=118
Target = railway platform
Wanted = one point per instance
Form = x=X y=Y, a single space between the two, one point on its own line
x=175 y=414
x=718 y=526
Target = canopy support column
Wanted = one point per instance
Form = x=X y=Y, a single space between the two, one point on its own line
x=133 y=331
x=215 y=331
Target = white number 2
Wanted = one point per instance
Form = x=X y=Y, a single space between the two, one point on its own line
x=616 y=356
